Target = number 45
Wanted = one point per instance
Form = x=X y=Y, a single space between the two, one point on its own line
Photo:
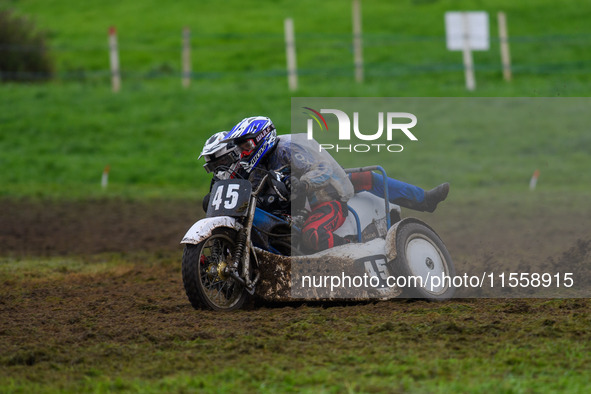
x=380 y=266
x=230 y=199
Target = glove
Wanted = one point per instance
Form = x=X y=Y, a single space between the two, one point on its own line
x=289 y=182
x=297 y=188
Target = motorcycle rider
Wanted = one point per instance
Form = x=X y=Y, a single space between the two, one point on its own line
x=304 y=172
x=221 y=158
x=308 y=173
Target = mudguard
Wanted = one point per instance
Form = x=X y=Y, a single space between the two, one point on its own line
x=391 y=236
x=204 y=227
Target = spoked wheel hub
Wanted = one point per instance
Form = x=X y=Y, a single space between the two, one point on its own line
x=206 y=277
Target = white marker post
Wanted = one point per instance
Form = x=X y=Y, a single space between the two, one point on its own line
x=467 y=54
x=292 y=72
x=114 y=60
x=504 y=41
x=534 y=180
x=186 y=57
x=357 y=41
x=467 y=32
x=105 y=177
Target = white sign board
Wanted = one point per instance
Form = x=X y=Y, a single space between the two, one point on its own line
x=467 y=29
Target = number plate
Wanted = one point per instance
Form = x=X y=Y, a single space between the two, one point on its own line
x=376 y=267
x=229 y=197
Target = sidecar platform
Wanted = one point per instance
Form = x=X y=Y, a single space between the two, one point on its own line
x=343 y=273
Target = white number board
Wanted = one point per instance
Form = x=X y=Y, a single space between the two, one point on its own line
x=469 y=29
x=229 y=197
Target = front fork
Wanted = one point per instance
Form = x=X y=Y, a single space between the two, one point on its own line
x=243 y=250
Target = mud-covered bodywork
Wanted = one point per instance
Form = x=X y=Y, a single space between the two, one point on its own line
x=355 y=271
x=260 y=252
x=344 y=273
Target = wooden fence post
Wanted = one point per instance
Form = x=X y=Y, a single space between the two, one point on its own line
x=292 y=72
x=357 y=41
x=186 y=57
x=114 y=60
x=467 y=55
x=504 y=40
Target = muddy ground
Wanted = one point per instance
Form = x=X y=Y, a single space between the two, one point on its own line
x=61 y=322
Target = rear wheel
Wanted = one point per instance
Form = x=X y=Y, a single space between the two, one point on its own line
x=424 y=262
x=206 y=282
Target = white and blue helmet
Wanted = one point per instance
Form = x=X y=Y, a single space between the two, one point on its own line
x=255 y=137
x=221 y=158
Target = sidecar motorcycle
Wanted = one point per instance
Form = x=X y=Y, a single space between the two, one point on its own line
x=240 y=250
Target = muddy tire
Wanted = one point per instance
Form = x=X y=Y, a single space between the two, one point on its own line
x=206 y=284
x=421 y=253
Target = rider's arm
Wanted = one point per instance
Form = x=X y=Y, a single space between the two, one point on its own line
x=317 y=176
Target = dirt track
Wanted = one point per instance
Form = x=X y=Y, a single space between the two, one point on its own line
x=49 y=228
x=514 y=231
x=516 y=236
x=60 y=322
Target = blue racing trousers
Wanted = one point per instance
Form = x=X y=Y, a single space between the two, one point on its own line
x=374 y=183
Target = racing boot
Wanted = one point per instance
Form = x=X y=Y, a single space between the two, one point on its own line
x=429 y=203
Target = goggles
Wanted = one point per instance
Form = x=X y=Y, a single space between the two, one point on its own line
x=223 y=162
x=246 y=148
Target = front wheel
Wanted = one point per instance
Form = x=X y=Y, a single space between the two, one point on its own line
x=206 y=282
x=424 y=262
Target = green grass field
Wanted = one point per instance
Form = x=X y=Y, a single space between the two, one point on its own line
x=57 y=138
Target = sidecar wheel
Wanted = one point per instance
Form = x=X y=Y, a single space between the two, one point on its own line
x=422 y=255
x=206 y=284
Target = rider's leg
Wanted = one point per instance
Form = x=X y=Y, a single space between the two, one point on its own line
x=401 y=193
